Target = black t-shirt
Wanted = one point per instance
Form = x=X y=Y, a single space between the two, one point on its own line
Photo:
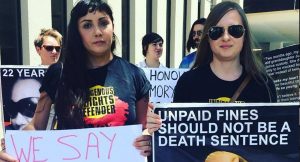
x=203 y=86
x=114 y=90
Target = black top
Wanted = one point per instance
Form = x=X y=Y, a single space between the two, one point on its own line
x=114 y=90
x=203 y=86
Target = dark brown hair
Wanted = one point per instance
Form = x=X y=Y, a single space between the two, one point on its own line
x=150 y=38
x=191 y=43
x=38 y=42
x=251 y=62
x=73 y=90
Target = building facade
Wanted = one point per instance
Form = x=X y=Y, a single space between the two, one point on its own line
x=21 y=21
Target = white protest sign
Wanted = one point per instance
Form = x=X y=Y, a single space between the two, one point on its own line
x=163 y=82
x=113 y=144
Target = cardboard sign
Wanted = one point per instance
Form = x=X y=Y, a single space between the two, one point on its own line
x=163 y=82
x=255 y=132
x=109 y=144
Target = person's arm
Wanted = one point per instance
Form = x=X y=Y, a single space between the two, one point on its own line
x=41 y=115
x=141 y=110
x=153 y=120
x=4 y=157
x=143 y=142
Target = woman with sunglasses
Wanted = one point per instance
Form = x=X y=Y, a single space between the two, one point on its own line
x=93 y=87
x=48 y=46
x=224 y=59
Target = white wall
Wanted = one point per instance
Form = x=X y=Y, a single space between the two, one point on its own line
x=176 y=33
x=159 y=23
x=137 y=29
x=116 y=6
x=34 y=17
x=205 y=8
x=192 y=16
x=70 y=4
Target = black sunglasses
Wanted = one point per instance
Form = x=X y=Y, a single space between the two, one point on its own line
x=25 y=106
x=215 y=32
x=50 y=48
x=198 y=32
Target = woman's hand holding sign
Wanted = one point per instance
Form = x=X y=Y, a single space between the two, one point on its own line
x=143 y=143
x=4 y=157
x=153 y=120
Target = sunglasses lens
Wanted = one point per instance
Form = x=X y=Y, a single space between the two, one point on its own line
x=57 y=49
x=236 y=31
x=198 y=32
x=25 y=106
x=215 y=32
x=50 y=48
x=28 y=106
x=193 y=33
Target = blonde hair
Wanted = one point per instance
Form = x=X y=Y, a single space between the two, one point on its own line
x=38 y=42
x=219 y=154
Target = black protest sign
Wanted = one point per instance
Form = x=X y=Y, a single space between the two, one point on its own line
x=283 y=66
x=20 y=90
x=1 y=117
x=256 y=132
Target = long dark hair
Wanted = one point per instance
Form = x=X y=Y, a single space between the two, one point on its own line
x=73 y=91
x=191 y=43
x=248 y=59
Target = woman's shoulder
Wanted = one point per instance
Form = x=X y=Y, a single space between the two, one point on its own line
x=125 y=65
x=127 y=69
x=196 y=73
x=202 y=69
x=55 y=68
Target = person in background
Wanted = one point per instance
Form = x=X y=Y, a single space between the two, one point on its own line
x=48 y=45
x=192 y=43
x=152 y=50
x=90 y=66
x=225 y=59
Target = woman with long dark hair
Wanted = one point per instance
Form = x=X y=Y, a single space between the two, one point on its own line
x=226 y=68
x=225 y=59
